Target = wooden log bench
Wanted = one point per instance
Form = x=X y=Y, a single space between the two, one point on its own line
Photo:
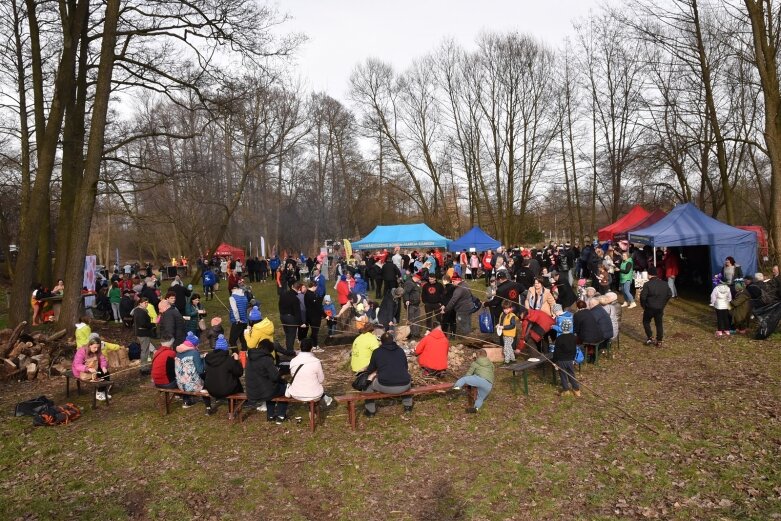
x=97 y=386
x=236 y=402
x=352 y=398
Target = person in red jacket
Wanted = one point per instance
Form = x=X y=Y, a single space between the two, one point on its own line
x=432 y=352
x=164 y=365
x=534 y=328
x=342 y=290
x=671 y=269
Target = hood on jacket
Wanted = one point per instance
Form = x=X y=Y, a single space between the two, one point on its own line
x=607 y=298
x=257 y=354
x=392 y=346
x=216 y=358
x=436 y=334
x=484 y=361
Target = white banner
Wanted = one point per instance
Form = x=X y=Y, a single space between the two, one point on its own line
x=262 y=246
x=90 y=262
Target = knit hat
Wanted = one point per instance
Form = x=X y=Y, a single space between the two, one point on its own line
x=254 y=314
x=418 y=275
x=163 y=306
x=557 y=309
x=221 y=343
x=327 y=299
x=343 y=277
x=192 y=338
x=357 y=276
x=92 y=337
x=216 y=321
x=455 y=278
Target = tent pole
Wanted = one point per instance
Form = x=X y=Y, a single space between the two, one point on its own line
x=654 y=256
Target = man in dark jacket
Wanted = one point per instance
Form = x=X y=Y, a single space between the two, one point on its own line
x=653 y=298
x=389 y=314
x=411 y=301
x=171 y=323
x=602 y=318
x=144 y=330
x=290 y=314
x=148 y=291
x=566 y=295
x=390 y=276
x=390 y=363
x=461 y=302
x=223 y=370
x=264 y=381
x=314 y=312
x=178 y=289
x=433 y=295
x=506 y=290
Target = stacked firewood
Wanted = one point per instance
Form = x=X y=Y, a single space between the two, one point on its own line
x=25 y=356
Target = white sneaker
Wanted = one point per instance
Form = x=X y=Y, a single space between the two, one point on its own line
x=632 y=305
x=624 y=305
x=100 y=396
x=262 y=408
x=318 y=350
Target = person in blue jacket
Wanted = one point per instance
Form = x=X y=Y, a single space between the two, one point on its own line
x=209 y=280
x=360 y=288
x=273 y=264
x=319 y=279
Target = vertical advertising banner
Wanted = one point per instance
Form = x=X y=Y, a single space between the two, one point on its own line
x=90 y=262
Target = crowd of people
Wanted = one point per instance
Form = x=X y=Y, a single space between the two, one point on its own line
x=560 y=301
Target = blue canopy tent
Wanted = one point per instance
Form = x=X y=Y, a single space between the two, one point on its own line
x=475 y=238
x=403 y=235
x=686 y=225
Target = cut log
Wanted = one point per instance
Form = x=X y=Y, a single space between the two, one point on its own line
x=55 y=336
x=20 y=346
x=32 y=371
x=7 y=367
x=12 y=341
x=37 y=349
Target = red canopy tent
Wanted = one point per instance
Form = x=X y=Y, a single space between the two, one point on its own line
x=226 y=250
x=626 y=222
x=654 y=217
x=761 y=237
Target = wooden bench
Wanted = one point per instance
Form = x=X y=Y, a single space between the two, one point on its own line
x=352 y=398
x=97 y=386
x=236 y=402
x=166 y=397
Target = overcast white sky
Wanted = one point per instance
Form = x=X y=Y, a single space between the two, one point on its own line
x=343 y=33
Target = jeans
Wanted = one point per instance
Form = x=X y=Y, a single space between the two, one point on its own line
x=656 y=315
x=567 y=375
x=277 y=408
x=671 y=283
x=482 y=385
x=377 y=387
x=464 y=323
x=413 y=317
x=291 y=330
x=314 y=332
x=432 y=313
x=626 y=289
x=169 y=385
x=144 y=342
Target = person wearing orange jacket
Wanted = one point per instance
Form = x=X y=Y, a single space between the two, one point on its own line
x=432 y=352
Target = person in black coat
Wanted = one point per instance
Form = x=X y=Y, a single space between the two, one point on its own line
x=178 y=289
x=564 y=352
x=148 y=291
x=314 y=311
x=653 y=298
x=602 y=318
x=390 y=363
x=566 y=295
x=389 y=314
x=223 y=371
x=264 y=381
x=390 y=276
x=171 y=323
x=290 y=313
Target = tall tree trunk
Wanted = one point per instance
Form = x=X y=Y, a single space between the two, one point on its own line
x=763 y=25
x=85 y=201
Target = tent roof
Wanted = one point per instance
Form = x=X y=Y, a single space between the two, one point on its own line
x=475 y=238
x=686 y=225
x=226 y=249
x=654 y=217
x=403 y=235
x=625 y=222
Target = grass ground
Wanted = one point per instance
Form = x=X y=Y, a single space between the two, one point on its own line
x=716 y=453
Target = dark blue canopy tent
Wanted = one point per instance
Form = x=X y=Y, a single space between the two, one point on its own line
x=686 y=225
x=403 y=235
x=475 y=238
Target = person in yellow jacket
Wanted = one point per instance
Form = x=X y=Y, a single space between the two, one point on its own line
x=259 y=329
x=83 y=331
x=508 y=326
x=363 y=346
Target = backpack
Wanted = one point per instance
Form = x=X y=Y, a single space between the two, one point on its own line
x=187 y=378
x=134 y=351
x=486 y=321
x=32 y=407
x=56 y=415
x=476 y=304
